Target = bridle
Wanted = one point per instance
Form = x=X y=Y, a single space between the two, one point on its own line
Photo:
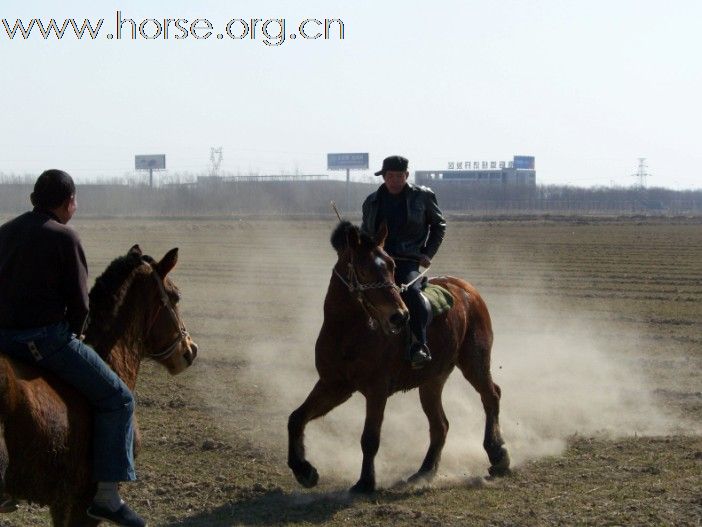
x=358 y=288
x=165 y=302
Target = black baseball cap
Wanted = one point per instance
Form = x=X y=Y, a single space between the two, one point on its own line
x=393 y=164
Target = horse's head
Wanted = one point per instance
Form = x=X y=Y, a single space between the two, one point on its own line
x=165 y=338
x=368 y=273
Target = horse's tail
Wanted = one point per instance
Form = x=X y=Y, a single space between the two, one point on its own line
x=480 y=328
x=8 y=388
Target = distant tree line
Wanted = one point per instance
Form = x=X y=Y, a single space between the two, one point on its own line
x=313 y=197
x=566 y=199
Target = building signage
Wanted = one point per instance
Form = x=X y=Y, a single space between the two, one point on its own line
x=524 y=162
x=480 y=165
x=347 y=161
x=518 y=162
x=154 y=162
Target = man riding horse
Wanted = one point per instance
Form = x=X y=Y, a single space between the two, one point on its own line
x=43 y=310
x=416 y=229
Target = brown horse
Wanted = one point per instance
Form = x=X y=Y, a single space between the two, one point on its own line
x=46 y=426
x=351 y=356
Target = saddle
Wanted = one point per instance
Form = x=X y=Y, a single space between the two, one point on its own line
x=440 y=299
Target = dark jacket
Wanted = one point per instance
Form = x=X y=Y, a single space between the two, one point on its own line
x=425 y=227
x=43 y=274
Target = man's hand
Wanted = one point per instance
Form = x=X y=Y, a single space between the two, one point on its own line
x=425 y=261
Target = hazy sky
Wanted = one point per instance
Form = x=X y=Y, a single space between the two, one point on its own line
x=586 y=87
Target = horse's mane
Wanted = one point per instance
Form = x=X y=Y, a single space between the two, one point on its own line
x=107 y=295
x=339 y=238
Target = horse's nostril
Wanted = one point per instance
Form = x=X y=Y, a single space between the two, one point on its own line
x=193 y=349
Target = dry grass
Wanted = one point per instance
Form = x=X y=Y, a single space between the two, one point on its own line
x=598 y=351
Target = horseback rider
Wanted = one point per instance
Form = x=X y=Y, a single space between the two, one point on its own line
x=416 y=229
x=43 y=312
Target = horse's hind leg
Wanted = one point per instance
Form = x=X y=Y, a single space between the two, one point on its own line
x=430 y=397
x=59 y=514
x=474 y=362
x=78 y=515
x=4 y=461
x=7 y=502
x=323 y=398
x=72 y=515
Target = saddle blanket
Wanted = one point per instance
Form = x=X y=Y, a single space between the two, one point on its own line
x=440 y=299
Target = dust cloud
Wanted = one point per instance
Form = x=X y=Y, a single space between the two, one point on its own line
x=561 y=373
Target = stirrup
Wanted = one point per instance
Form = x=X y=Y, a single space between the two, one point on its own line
x=419 y=356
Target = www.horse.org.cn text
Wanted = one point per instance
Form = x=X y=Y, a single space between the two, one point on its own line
x=270 y=31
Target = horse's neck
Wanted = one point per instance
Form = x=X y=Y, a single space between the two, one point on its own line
x=123 y=357
x=117 y=342
x=342 y=306
x=125 y=361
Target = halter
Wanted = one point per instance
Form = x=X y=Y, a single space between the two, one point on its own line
x=165 y=302
x=357 y=288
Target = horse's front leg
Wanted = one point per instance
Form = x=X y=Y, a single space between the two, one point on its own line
x=323 y=398
x=370 y=440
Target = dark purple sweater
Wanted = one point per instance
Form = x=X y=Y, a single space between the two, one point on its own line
x=43 y=273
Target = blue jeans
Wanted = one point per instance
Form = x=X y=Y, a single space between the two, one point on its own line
x=55 y=349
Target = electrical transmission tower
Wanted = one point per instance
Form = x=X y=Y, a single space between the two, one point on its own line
x=642 y=173
x=215 y=160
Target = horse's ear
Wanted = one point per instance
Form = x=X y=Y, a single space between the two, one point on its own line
x=167 y=263
x=340 y=236
x=135 y=250
x=353 y=240
x=382 y=234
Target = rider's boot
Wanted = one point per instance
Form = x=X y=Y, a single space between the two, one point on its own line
x=419 y=355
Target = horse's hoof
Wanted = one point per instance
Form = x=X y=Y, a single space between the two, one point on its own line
x=421 y=477
x=402 y=484
x=501 y=468
x=307 y=475
x=363 y=487
x=8 y=505
x=499 y=472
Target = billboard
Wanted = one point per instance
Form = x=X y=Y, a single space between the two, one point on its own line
x=347 y=161
x=527 y=162
x=155 y=162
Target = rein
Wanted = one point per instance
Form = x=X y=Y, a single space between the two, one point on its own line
x=405 y=287
x=165 y=302
x=354 y=285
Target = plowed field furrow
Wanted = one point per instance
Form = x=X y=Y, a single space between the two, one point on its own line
x=597 y=349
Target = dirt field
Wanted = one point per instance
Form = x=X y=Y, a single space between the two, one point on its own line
x=598 y=349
